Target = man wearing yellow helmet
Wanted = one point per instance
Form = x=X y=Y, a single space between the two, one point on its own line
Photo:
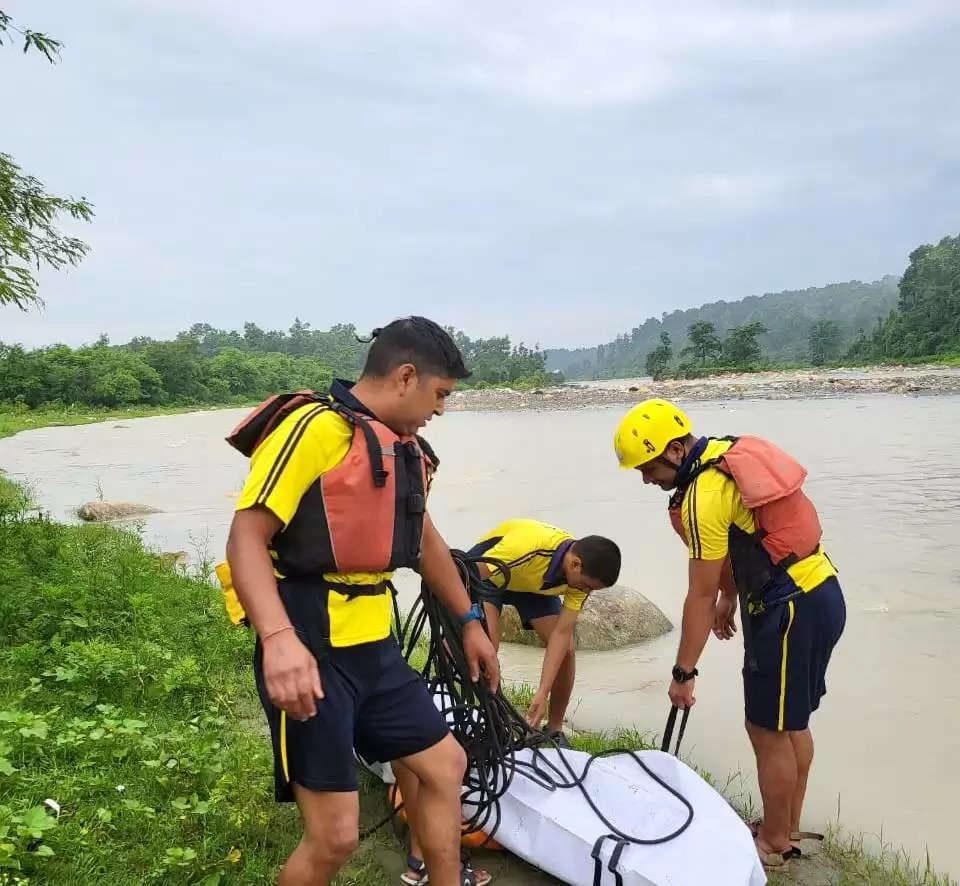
x=752 y=536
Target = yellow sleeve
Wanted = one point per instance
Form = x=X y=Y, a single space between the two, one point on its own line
x=307 y=443
x=707 y=516
x=574 y=599
x=507 y=550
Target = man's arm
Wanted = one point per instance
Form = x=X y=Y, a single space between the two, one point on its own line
x=251 y=568
x=698 y=610
x=289 y=668
x=557 y=648
x=724 y=623
x=443 y=578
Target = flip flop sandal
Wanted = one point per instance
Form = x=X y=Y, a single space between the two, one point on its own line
x=469 y=876
x=795 y=837
x=419 y=874
x=772 y=861
x=559 y=739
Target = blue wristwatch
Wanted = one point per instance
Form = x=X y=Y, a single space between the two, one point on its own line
x=474 y=613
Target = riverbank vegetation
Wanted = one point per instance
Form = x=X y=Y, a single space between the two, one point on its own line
x=131 y=745
x=925 y=326
x=204 y=366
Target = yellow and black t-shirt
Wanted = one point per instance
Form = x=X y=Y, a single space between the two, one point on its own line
x=307 y=443
x=712 y=505
x=534 y=553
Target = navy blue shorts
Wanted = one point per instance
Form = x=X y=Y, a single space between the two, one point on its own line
x=373 y=701
x=792 y=644
x=528 y=606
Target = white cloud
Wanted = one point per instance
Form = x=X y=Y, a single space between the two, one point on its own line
x=515 y=161
x=741 y=191
x=579 y=54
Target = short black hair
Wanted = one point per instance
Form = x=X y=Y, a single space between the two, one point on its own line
x=600 y=558
x=417 y=340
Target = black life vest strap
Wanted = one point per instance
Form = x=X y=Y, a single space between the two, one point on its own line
x=428 y=451
x=374 y=450
x=706 y=465
x=746 y=628
x=350 y=591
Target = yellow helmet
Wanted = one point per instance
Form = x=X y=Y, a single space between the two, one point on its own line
x=645 y=431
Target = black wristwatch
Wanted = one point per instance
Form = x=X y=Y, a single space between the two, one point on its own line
x=682 y=676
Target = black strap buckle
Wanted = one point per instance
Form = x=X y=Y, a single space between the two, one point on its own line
x=351 y=592
x=373 y=443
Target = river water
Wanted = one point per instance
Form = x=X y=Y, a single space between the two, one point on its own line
x=883 y=473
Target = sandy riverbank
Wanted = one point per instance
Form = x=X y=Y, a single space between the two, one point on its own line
x=788 y=385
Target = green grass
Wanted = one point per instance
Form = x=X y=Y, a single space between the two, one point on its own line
x=126 y=699
x=14 y=419
x=887 y=866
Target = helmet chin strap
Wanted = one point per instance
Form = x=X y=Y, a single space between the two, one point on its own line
x=662 y=459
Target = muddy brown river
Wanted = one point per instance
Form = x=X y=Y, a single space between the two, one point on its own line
x=884 y=473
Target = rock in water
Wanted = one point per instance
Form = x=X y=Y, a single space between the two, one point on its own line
x=104 y=511
x=611 y=619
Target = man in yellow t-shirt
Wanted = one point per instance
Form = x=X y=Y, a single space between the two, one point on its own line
x=544 y=565
x=330 y=676
x=795 y=611
x=541 y=565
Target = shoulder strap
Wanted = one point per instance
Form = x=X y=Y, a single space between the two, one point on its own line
x=700 y=468
x=356 y=420
x=257 y=425
x=710 y=463
x=428 y=451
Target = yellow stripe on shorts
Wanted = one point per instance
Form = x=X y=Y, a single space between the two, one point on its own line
x=783 y=670
x=283 y=741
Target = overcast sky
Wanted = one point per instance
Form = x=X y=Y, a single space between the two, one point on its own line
x=558 y=171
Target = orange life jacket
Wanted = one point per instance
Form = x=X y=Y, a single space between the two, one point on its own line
x=770 y=485
x=364 y=515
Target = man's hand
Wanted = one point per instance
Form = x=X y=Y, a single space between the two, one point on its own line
x=291 y=675
x=538 y=707
x=479 y=651
x=681 y=694
x=724 y=624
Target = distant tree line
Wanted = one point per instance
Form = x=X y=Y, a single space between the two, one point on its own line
x=705 y=351
x=204 y=365
x=789 y=319
x=925 y=323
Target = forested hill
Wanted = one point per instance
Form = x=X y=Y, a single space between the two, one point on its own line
x=788 y=317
